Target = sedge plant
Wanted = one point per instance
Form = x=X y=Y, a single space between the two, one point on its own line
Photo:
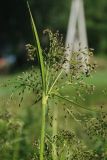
x=49 y=82
x=51 y=69
x=51 y=78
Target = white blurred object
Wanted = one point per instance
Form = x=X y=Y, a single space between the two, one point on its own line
x=76 y=32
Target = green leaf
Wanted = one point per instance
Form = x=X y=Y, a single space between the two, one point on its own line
x=37 y=41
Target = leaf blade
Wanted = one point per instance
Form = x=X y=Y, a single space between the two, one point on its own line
x=40 y=56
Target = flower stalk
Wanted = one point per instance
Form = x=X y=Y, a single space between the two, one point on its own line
x=43 y=125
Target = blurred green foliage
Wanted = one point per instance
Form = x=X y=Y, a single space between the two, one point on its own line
x=96 y=18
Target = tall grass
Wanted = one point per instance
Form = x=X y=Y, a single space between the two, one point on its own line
x=50 y=88
x=54 y=62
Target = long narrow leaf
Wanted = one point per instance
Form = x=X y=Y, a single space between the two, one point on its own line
x=40 y=56
x=78 y=105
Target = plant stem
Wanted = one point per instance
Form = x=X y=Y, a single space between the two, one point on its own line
x=44 y=105
x=55 y=123
x=55 y=82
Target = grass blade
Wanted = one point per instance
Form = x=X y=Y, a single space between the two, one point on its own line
x=37 y=41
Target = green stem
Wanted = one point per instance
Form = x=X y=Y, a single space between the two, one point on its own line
x=55 y=82
x=44 y=104
x=55 y=123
